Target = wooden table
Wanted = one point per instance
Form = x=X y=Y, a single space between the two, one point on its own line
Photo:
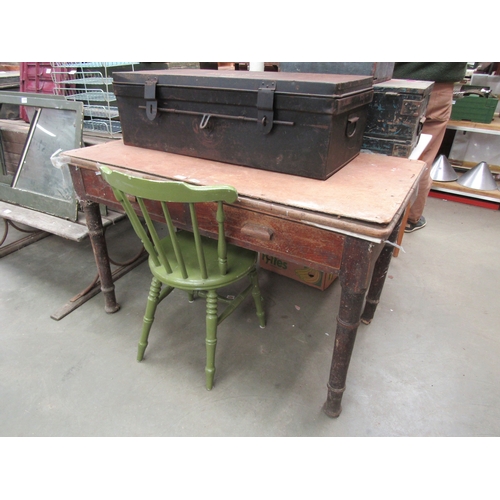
x=340 y=225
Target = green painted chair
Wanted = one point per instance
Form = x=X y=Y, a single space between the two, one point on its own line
x=187 y=260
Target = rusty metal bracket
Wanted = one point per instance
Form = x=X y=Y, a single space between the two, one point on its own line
x=206 y=116
x=150 y=97
x=265 y=106
x=34 y=235
x=95 y=286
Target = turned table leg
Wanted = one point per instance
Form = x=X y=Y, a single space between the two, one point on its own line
x=379 y=276
x=98 y=241
x=355 y=273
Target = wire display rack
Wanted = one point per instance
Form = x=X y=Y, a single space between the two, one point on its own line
x=92 y=84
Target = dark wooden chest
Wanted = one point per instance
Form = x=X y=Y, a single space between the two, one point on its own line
x=309 y=125
x=395 y=116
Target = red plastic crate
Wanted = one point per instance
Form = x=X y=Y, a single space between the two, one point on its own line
x=36 y=77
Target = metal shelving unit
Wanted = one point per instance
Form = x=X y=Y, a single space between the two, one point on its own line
x=461 y=164
x=92 y=84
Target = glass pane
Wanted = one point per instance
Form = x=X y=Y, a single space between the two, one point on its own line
x=53 y=131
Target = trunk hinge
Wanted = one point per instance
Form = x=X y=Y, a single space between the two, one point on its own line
x=150 y=96
x=265 y=106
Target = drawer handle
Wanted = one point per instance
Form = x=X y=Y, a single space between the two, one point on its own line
x=257 y=231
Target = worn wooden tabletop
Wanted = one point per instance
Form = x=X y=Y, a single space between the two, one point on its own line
x=371 y=188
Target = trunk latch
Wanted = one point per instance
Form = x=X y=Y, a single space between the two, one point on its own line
x=150 y=96
x=265 y=106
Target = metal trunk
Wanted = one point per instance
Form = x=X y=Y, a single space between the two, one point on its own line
x=309 y=125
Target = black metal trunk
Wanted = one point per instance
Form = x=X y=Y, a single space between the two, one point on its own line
x=380 y=71
x=303 y=124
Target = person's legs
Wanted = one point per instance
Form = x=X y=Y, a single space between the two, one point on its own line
x=436 y=117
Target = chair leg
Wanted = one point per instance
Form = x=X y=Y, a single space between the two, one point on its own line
x=257 y=297
x=149 y=316
x=211 y=338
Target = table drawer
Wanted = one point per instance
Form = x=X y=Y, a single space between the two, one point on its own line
x=296 y=242
x=273 y=235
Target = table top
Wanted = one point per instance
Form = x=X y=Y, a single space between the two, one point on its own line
x=372 y=189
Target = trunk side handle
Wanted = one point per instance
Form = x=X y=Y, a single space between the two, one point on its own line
x=351 y=126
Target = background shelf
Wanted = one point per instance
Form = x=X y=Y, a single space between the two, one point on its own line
x=92 y=84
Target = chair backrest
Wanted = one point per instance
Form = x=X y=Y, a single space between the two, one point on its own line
x=126 y=186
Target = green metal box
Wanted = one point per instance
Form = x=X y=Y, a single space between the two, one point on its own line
x=474 y=108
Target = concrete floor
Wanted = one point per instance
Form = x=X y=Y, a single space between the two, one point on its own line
x=426 y=366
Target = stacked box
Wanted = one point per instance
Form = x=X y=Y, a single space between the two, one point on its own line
x=474 y=108
x=36 y=77
x=307 y=275
x=395 y=116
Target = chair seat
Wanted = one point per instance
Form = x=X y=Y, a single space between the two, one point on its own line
x=240 y=263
